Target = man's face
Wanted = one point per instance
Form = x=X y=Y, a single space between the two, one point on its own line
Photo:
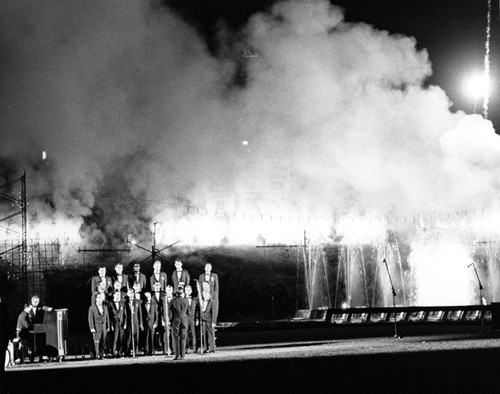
x=102 y=271
x=178 y=265
x=35 y=301
x=116 y=297
x=119 y=269
x=208 y=268
x=188 y=291
x=169 y=291
x=99 y=299
x=137 y=268
x=157 y=266
x=206 y=295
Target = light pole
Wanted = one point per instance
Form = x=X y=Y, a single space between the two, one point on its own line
x=153 y=251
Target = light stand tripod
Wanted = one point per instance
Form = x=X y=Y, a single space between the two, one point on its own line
x=393 y=300
x=480 y=294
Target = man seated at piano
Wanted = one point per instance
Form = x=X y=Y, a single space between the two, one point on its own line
x=23 y=328
x=37 y=315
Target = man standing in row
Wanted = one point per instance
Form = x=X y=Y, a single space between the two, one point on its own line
x=99 y=325
x=180 y=277
x=158 y=276
x=118 y=317
x=210 y=282
x=101 y=278
x=137 y=277
x=151 y=318
x=208 y=323
x=193 y=315
x=120 y=280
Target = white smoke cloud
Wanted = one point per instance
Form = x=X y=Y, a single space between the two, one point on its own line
x=120 y=87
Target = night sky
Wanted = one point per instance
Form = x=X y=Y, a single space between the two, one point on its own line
x=452 y=31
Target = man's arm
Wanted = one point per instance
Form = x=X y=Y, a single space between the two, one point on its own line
x=91 y=320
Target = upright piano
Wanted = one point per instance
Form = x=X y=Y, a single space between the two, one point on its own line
x=55 y=328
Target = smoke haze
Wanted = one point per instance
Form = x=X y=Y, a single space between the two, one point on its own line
x=138 y=117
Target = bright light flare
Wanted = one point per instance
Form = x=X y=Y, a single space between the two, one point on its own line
x=477 y=86
x=441 y=273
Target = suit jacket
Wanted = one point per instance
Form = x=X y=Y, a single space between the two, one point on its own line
x=117 y=315
x=167 y=312
x=96 y=279
x=124 y=280
x=163 y=279
x=178 y=308
x=150 y=317
x=208 y=314
x=142 y=280
x=38 y=316
x=193 y=310
x=24 y=323
x=97 y=320
x=184 y=278
x=213 y=280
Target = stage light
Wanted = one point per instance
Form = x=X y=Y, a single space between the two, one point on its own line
x=477 y=86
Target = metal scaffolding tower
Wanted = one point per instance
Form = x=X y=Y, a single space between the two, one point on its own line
x=14 y=255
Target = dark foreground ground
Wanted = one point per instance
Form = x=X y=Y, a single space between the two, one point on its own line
x=349 y=359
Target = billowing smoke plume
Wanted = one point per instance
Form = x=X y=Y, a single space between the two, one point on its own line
x=138 y=118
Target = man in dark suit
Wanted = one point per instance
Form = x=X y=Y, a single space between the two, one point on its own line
x=158 y=276
x=180 y=277
x=150 y=322
x=167 y=319
x=101 y=289
x=37 y=315
x=208 y=323
x=37 y=310
x=157 y=299
x=23 y=328
x=178 y=307
x=99 y=325
x=137 y=277
x=101 y=278
x=118 y=322
x=119 y=279
x=210 y=281
x=134 y=322
x=193 y=315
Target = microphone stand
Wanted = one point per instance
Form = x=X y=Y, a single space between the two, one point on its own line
x=393 y=300
x=132 y=306
x=200 y=296
x=480 y=295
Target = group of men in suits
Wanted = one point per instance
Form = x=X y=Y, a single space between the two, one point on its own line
x=143 y=314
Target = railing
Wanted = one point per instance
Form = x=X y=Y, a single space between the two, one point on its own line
x=412 y=314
